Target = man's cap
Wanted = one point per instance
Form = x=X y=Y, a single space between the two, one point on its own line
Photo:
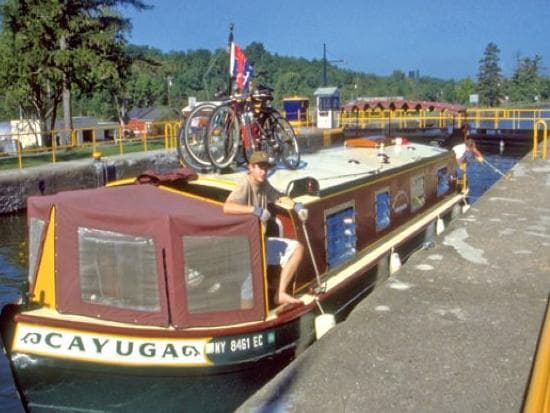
x=258 y=157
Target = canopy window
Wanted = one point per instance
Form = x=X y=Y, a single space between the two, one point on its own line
x=217 y=273
x=118 y=270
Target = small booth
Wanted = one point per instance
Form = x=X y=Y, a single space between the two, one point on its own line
x=328 y=107
x=296 y=110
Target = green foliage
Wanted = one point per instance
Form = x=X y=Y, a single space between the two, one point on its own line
x=49 y=45
x=526 y=84
x=463 y=89
x=46 y=45
x=490 y=78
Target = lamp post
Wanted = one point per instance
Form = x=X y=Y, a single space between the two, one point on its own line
x=169 y=80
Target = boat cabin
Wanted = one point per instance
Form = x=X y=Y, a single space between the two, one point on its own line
x=161 y=252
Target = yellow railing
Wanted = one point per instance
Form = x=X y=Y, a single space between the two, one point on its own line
x=516 y=116
x=538 y=395
x=170 y=133
x=544 y=139
x=155 y=132
x=403 y=119
x=301 y=122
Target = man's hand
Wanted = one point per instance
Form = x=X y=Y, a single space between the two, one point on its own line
x=302 y=212
x=262 y=213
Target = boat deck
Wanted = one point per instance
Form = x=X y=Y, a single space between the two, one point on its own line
x=336 y=166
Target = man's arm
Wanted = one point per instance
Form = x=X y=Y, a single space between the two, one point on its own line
x=235 y=208
x=286 y=201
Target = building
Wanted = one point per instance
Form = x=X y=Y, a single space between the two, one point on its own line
x=28 y=133
x=142 y=120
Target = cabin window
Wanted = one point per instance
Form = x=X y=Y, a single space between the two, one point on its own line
x=341 y=235
x=418 y=194
x=217 y=273
x=36 y=235
x=442 y=181
x=383 y=210
x=118 y=270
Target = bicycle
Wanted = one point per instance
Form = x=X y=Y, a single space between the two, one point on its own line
x=249 y=123
x=192 y=136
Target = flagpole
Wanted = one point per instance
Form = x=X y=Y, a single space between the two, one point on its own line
x=230 y=44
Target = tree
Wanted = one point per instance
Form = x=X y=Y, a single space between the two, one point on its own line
x=526 y=84
x=50 y=47
x=463 y=89
x=489 y=77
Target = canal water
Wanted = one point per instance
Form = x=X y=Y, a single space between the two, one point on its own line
x=223 y=393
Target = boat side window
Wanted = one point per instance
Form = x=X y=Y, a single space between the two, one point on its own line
x=341 y=239
x=36 y=235
x=418 y=194
x=382 y=208
x=118 y=270
x=217 y=273
x=442 y=181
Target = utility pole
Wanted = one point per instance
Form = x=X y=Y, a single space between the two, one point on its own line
x=325 y=83
x=229 y=44
x=67 y=107
x=325 y=61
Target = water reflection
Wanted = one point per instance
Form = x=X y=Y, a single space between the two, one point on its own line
x=13 y=256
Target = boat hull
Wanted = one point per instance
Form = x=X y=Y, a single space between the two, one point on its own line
x=44 y=380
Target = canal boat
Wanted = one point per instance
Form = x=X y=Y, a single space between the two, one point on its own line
x=146 y=277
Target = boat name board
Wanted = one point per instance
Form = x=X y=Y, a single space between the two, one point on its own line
x=111 y=349
x=138 y=351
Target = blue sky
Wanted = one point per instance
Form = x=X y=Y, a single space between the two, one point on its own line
x=444 y=39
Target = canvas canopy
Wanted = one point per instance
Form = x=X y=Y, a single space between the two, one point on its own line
x=148 y=255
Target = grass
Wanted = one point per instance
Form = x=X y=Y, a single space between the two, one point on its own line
x=30 y=159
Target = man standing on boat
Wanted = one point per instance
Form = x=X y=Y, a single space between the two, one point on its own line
x=252 y=196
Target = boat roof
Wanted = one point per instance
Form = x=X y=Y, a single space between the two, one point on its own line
x=146 y=202
x=338 y=166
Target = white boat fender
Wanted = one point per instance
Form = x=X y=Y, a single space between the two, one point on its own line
x=465 y=207
x=395 y=261
x=323 y=322
x=439 y=226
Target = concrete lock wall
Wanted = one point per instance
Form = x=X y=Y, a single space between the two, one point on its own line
x=17 y=185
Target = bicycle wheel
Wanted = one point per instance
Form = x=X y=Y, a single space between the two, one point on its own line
x=192 y=136
x=289 y=150
x=222 y=139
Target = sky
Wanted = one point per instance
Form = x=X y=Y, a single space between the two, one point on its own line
x=443 y=39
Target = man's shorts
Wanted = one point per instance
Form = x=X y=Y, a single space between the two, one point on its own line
x=279 y=250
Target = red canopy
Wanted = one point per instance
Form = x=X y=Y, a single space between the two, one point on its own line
x=144 y=211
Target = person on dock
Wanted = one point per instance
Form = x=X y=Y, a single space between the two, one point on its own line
x=253 y=195
x=468 y=149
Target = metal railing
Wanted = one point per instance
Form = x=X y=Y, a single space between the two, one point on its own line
x=538 y=395
x=544 y=139
x=515 y=117
x=399 y=118
x=496 y=118
x=158 y=133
